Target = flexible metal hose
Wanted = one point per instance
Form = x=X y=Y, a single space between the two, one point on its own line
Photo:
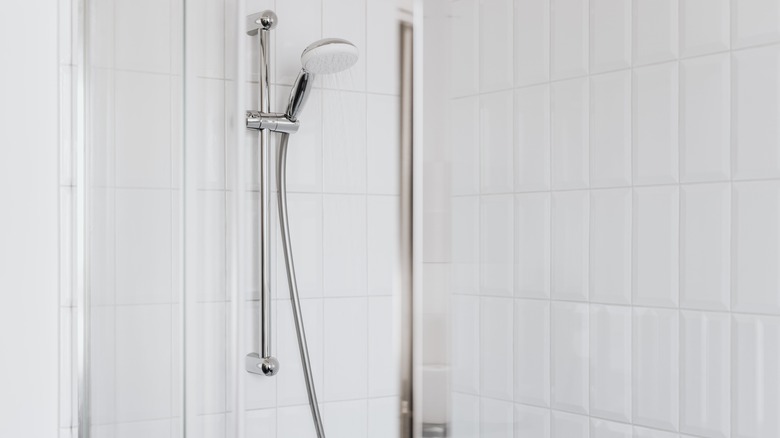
x=281 y=182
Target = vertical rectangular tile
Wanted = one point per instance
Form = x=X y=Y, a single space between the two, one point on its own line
x=705 y=130
x=532 y=138
x=531 y=422
x=343 y=143
x=610 y=35
x=610 y=129
x=497 y=245
x=704 y=26
x=754 y=22
x=532 y=245
x=382 y=157
x=381 y=360
x=570 y=356
x=261 y=421
x=495 y=45
x=566 y=425
x=755 y=113
x=756 y=382
x=206 y=137
x=756 y=259
x=570 y=136
x=607 y=429
x=610 y=246
x=496 y=346
x=306 y=225
x=150 y=50
x=347 y=419
x=345 y=349
x=643 y=432
x=155 y=428
x=207 y=357
x=383 y=417
x=496 y=418
x=465 y=341
x=143 y=342
x=569 y=38
x=656 y=246
x=705 y=397
x=655 y=31
x=382 y=246
x=294 y=421
x=531 y=41
x=705 y=246
x=465 y=146
x=465 y=416
x=465 y=244
x=382 y=54
x=143 y=156
x=532 y=352
x=496 y=142
x=655 y=124
x=103 y=364
x=344 y=245
x=143 y=246
x=570 y=243
x=465 y=41
x=610 y=362
x=291 y=387
x=656 y=368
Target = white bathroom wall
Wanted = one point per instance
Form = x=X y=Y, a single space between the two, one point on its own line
x=29 y=315
x=615 y=218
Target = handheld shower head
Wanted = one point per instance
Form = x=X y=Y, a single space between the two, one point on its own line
x=326 y=56
x=330 y=55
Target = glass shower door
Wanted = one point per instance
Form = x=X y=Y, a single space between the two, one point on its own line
x=171 y=218
x=158 y=308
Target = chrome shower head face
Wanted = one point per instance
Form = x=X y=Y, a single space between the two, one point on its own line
x=326 y=56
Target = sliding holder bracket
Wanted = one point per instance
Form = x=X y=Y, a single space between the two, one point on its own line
x=275 y=122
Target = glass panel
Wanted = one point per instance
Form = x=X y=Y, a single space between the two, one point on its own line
x=172 y=222
x=133 y=131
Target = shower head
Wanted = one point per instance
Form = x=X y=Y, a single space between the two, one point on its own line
x=326 y=56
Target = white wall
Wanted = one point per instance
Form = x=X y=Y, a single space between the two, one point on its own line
x=29 y=318
x=615 y=218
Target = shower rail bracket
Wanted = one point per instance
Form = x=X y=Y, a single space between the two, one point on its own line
x=267 y=366
x=275 y=122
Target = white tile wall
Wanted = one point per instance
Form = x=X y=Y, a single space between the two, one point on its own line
x=646 y=167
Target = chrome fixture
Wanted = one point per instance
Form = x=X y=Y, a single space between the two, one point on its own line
x=260 y=25
x=326 y=56
x=323 y=57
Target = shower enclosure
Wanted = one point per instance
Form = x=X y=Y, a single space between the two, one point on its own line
x=510 y=219
x=168 y=210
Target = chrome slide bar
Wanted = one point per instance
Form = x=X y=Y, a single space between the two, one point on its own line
x=260 y=25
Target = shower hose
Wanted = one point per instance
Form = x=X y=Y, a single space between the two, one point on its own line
x=281 y=182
